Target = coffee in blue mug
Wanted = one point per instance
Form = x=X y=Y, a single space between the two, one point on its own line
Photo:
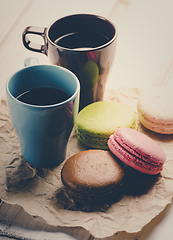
x=43 y=102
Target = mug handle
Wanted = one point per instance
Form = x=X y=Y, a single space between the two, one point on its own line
x=34 y=46
x=32 y=61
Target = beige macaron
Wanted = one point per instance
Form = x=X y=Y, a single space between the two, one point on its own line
x=155 y=109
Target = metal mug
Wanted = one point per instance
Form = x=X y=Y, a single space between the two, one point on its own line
x=83 y=43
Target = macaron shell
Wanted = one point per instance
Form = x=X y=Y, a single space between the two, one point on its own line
x=155 y=109
x=140 y=145
x=92 y=169
x=93 y=176
x=96 y=122
x=137 y=150
x=132 y=160
x=155 y=125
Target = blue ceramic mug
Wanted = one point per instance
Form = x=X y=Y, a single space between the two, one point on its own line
x=43 y=130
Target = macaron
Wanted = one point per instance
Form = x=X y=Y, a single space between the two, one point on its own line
x=97 y=121
x=93 y=176
x=137 y=150
x=155 y=110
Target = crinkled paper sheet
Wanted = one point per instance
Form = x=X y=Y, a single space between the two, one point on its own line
x=34 y=189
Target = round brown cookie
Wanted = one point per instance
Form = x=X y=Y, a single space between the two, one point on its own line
x=93 y=176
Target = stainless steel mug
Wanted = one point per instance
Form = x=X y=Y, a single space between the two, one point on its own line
x=83 y=43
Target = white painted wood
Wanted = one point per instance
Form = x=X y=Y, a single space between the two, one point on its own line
x=10 y=12
x=145 y=42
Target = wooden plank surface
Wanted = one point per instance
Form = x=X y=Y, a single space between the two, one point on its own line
x=145 y=42
x=144 y=58
x=10 y=12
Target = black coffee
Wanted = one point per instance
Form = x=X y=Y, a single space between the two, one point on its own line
x=78 y=40
x=43 y=96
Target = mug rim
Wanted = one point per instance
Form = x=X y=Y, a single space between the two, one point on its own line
x=82 y=50
x=71 y=98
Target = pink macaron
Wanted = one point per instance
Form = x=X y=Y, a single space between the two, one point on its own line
x=137 y=150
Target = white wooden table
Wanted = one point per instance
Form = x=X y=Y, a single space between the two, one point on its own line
x=144 y=58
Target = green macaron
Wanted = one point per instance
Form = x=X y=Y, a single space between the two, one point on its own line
x=97 y=121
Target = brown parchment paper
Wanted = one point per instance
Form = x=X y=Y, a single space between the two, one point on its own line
x=34 y=189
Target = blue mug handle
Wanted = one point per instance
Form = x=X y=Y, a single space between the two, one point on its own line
x=31 y=61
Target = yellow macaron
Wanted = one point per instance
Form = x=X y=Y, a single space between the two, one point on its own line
x=97 y=121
